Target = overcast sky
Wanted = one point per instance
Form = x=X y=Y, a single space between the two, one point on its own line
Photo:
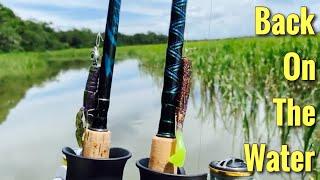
x=205 y=18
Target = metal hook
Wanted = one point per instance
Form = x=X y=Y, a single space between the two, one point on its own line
x=99 y=39
x=95 y=55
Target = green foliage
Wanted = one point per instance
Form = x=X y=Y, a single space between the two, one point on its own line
x=9 y=40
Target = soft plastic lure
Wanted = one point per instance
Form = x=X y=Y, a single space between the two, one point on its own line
x=87 y=113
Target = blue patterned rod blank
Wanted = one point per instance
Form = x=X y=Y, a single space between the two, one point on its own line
x=173 y=69
x=106 y=72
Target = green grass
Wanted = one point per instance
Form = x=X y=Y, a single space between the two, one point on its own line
x=245 y=70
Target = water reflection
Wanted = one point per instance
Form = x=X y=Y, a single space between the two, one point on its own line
x=13 y=88
x=43 y=122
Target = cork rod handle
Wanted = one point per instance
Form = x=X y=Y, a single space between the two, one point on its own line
x=96 y=144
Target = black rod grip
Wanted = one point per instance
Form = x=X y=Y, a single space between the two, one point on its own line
x=173 y=69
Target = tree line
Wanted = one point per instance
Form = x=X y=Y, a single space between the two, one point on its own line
x=27 y=35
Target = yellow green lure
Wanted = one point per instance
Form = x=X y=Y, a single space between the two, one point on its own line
x=178 y=158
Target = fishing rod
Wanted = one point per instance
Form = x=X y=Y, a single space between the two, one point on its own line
x=107 y=63
x=96 y=136
x=164 y=143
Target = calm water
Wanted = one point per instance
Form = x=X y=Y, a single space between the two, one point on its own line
x=42 y=123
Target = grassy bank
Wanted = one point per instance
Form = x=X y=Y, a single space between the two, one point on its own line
x=20 y=71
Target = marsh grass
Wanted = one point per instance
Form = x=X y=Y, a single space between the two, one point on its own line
x=244 y=75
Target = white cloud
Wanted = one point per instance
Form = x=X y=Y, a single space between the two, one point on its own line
x=146 y=8
x=60 y=22
x=205 y=18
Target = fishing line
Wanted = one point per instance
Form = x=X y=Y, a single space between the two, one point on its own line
x=200 y=148
x=208 y=48
x=186 y=50
x=210 y=17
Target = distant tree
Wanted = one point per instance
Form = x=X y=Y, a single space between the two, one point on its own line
x=77 y=38
x=140 y=38
x=9 y=40
x=19 y=35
